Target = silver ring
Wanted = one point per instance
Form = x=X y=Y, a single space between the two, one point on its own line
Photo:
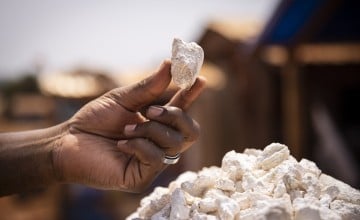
x=171 y=159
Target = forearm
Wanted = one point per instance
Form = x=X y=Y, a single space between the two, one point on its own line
x=26 y=159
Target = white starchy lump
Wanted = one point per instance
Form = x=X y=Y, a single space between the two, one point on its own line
x=207 y=205
x=186 y=62
x=150 y=205
x=225 y=184
x=273 y=155
x=202 y=216
x=266 y=185
x=162 y=214
x=227 y=208
x=179 y=208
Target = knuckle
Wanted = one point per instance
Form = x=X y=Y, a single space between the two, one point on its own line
x=147 y=92
x=195 y=132
x=196 y=128
x=178 y=141
x=144 y=129
x=176 y=116
x=139 y=142
x=150 y=128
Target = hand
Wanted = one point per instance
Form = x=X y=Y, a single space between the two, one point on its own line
x=111 y=145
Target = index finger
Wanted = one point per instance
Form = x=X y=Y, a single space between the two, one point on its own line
x=185 y=97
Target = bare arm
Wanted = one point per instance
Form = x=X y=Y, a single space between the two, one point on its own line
x=26 y=159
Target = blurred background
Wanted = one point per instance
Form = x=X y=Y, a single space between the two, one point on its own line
x=278 y=71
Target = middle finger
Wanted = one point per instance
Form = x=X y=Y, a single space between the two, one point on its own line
x=168 y=139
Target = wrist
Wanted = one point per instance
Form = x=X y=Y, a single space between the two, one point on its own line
x=56 y=149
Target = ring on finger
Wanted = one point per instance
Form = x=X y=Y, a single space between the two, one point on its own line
x=171 y=159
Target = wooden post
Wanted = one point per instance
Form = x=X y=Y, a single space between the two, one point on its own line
x=292 y=106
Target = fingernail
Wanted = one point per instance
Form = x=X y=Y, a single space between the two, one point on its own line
x=130 y=128
x=155 y=111
x=121 y=142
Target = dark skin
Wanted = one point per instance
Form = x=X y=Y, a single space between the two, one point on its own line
x=107 y=144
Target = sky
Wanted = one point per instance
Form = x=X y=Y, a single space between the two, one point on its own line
x=113 y=35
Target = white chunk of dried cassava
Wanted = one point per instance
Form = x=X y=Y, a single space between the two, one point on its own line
x=273 y=155
x=186 y=62
x=179 y=208
x=257 y=184
x=227 y=208
x=208 y=205
x=154 y=203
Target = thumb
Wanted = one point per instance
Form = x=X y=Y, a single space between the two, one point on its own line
x=185 y=97
x=138 y=95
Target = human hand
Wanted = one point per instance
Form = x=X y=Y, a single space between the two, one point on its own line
x=111 y=145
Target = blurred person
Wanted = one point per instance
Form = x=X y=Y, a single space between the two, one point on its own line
x=108 y=143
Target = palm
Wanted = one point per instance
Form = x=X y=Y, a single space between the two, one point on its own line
x=104 y=166
x=96 y=138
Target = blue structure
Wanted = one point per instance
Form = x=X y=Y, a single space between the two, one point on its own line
x=313 y=21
